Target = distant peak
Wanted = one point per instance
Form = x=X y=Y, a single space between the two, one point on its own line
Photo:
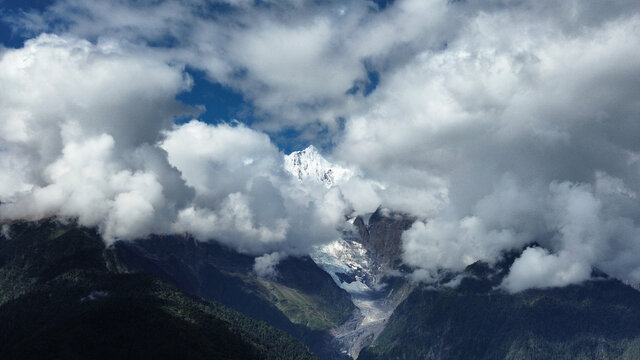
x=308 y=151
x=311 y=149
x=309 y=164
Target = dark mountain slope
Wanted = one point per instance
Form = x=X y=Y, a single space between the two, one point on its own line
x=599 y=319
x=303 y=300
x=60 y=301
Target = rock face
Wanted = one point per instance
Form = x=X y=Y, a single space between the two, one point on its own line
x=360 y=262
x=382 y=235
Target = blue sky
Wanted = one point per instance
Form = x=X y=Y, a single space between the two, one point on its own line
x=8 y=36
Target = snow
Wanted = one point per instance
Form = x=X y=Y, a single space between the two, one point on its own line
x=347 y=257
x=309 y=165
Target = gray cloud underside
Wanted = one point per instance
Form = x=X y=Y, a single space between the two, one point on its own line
x=496 y=123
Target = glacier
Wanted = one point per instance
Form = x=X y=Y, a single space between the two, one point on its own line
x=347 y=260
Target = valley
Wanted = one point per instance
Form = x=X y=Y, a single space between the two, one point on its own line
x=367 y=281
x=352 y=298
x=341 y=303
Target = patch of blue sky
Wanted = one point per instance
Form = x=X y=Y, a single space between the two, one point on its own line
x=9 y=37
x=368 y=85
x=383 y=4
x=221 y=103
x=294 y=139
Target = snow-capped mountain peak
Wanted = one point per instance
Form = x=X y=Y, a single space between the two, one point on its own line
x=309 y=164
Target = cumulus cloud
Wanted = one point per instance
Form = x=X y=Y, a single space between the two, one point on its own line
x=89 y=130
x=496 y=124
x=582 y=227
x=295 y=60
x=518 y=133
x=79 y=124
x=265 y=265
x=243 y=195
x=537 y=268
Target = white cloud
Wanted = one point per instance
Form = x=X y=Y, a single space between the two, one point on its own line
x=537 y=268
x=454 y=245
x=265 y=265
x=495 y=123
x=90 y=135
x=582 y=228
x=217 y=160
x=243 y=196
x=79 y=119
x=518 y=133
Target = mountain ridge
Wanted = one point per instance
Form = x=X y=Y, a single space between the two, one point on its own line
x=59 y=300
x=476 y=319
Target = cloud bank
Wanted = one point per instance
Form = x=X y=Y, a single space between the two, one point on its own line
x=89 y=134
x=495 y=123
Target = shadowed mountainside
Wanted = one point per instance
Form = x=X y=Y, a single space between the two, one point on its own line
x=59 y=300
x=301 y=300
x=599 y=319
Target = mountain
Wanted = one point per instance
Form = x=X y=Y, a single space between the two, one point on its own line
x=465 y=316
x=302 y=300
x=362 y=260
x=63 y=294
x=599 y=319
x=365 y=262
x=60 y=298
x=309 y=165
x=309 y=300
